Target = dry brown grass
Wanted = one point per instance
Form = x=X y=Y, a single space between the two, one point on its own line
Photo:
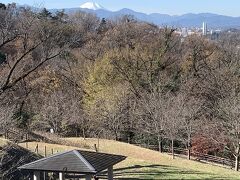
x=144 y=163
x=51 y=148
x=3 y=142
x=154 y=157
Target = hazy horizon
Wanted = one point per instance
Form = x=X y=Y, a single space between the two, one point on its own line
x=173 y=7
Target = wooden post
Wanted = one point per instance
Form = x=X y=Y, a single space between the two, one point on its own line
x=173 y=149
x=61 y=176
x=98 y=143
x=36 y=175
x=36 y=149
x=159 y=144
x=110 y=173
x=45 y=151
x=95 y=147
x=236 y=163
x=44 y=175
x=189 y=153
x=88 y=177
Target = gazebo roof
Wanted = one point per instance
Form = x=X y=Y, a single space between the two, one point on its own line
x=75 y=161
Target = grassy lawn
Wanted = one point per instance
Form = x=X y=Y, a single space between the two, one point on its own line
x=143 y=163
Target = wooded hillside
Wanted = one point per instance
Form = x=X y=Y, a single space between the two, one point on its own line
x=119 y=79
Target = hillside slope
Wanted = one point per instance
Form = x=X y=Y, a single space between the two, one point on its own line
x=13 y=156
x=143 y=163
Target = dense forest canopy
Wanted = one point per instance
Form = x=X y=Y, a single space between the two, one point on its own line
x=122 y=79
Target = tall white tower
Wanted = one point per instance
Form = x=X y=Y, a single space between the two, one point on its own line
x=204 y=29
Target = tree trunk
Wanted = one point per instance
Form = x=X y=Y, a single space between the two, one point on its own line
x=5 y=134
x=116 y=135
x=173 y=149
x=76 y=133
x=189 y=153
x=129 y=140
x=84 y=136
x=159 y=144
x=236 y=162
x=189 y=145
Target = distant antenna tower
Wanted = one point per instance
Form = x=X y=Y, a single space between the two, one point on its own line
x=204 y=29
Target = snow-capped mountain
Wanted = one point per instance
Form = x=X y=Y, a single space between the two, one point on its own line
x=185 y=20
x=92 y=6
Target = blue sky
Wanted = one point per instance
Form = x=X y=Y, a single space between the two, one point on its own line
x=173 y=7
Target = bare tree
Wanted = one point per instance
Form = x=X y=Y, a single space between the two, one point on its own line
x=35 y=40
x=6 y=117
x=190 y=122
x=53 y=110
x=190 y=116
x=228 y=124
x=151 y=109
x=173 y=108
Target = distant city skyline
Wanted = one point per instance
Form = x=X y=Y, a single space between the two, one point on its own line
x=172 y=7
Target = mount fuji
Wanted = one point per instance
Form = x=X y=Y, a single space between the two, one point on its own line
x=92 y=6
x=185 y=20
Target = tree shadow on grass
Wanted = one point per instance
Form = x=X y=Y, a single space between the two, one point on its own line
x=140 y=172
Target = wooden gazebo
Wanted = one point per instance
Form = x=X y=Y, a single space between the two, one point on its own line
x=74 y=164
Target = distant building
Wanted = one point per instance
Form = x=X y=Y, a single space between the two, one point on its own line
x=184 y=32
x=204 y=29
